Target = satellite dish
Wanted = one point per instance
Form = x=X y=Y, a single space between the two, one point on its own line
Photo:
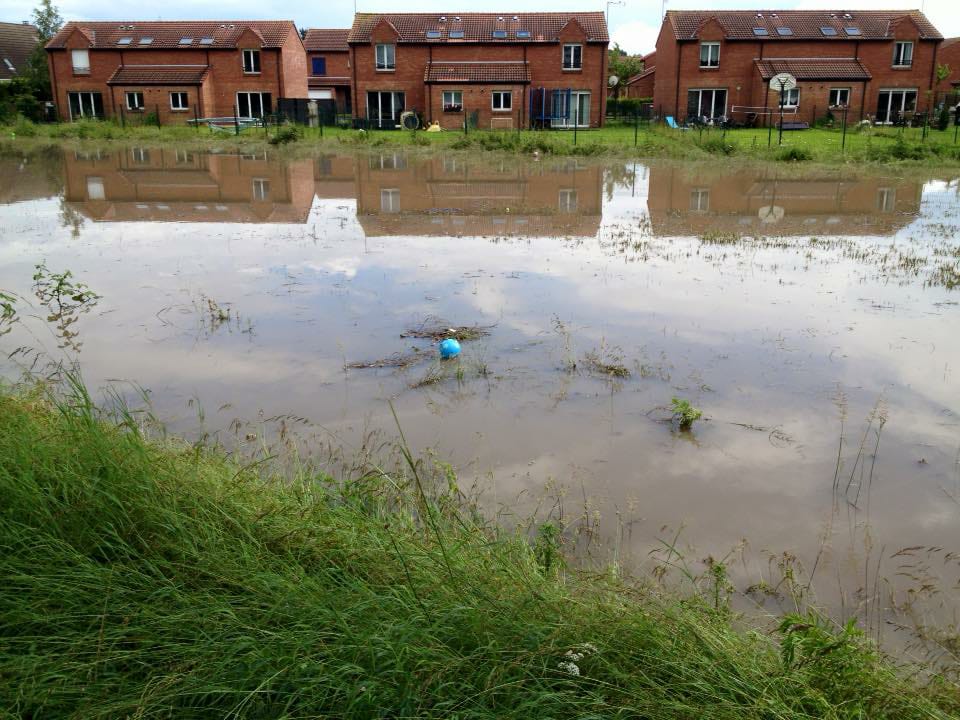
x=771 y=213
x=783 y=81
x=613 y=80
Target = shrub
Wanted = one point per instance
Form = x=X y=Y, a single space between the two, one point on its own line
x=794 y=154
x=717 y=146
x=286 y=134
x=943 y=118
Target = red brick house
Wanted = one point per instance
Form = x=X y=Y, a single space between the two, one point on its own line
x=641 y=84
x=879 y=64
x=949 y=54
x=328 y=66
x=177 y=69
x=499 y=70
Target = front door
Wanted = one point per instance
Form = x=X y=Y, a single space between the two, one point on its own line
x=85 y=105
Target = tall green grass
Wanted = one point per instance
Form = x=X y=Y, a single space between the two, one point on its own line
x=151 y=579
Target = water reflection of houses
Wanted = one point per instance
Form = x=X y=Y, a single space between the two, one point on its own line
x=150 y=184
x=684 y=202
x=454 y=196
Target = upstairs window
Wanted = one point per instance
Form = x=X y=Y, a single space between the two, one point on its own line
x=81 y=61
x=709 y=54
x=572 y=57
x=251 y=61
x=319 y=66
x=386 y=57
x=902 y=54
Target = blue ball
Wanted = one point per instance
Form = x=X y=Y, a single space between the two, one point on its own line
x=449 y=348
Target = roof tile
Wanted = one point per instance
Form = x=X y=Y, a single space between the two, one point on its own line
x=17 y=41
x=225 y=33
x=814 y=68
x=805 y=24
x=157 y=75
x=478 y=27
x=477 y=72
x=326 y=40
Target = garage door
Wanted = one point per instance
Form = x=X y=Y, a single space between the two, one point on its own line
x=320 y=94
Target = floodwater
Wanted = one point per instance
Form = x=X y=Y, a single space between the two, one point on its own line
x=813 y=316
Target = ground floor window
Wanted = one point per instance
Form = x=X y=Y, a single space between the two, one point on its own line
x=95 y=189
x=390 y=200
x=791 y=98
x=886 y=199
x=85 y=104
x=892 y=104
x=178 y=101
x=253 y=104
x=571 y=107
x=140 y=155
x=384 y=108
x=261 y=189
x=708 y=103
x=839 y=97
x=567 y=201
x=699 y=200
x=453 y=101
x=501 y=100
x=134 y=100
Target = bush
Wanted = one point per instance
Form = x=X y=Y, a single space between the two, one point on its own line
x=794 y=154
x=943 y=118
x=286 y=134
x=717 y=146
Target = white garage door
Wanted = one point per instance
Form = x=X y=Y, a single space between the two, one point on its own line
x=320 y=94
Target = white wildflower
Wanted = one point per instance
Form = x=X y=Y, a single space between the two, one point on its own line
x=588 y=648
x=569 y=667
x=574 y=656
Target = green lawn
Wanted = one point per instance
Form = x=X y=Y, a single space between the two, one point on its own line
x=869 y=145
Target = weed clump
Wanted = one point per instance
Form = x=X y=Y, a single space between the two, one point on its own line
x=286 y=135
x=717 y=146
x=794 y=154
x=684 y=414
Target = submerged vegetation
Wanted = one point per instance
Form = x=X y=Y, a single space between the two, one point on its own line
x=155 y=579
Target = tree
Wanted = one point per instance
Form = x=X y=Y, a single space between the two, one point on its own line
x=622 y=66
x=48 y=21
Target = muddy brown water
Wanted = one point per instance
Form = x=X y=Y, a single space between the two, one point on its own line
x=802 y=311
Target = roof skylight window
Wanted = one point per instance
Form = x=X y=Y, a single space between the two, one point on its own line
x=828 y=31
x=146 y=40
x=784 y=30
x=759 y=31
x=186 y=41
x=433 y=34
x=499 y=34
x=125 y=40
x=853 y=31
x=456 y=34
x=206 y=41
x=523 y=34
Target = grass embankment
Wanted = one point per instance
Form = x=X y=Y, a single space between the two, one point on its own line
x=879 y=145
x=156 y=580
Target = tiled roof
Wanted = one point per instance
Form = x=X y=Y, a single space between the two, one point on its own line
x=225 y=33
x=479 y=27
x=814 y=68
x=325 y=81
x=17 y=41
x=803 y=24
x=322 y=40
x=640 y=76
x=158 y=75
x=477 y=72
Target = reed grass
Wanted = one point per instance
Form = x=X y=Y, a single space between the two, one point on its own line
x=146 y=578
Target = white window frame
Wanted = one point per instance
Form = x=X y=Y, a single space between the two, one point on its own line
x=502 y=95
x=254 y=64
x=839 y=90
x=90 y=96
x=260 y=187
x=903 y=54
x=390 y=200
x=250 y=94
x=902 y=92
x=576 y=57
x=95 y=189
x=388 y=63
x=140 y=155
x=569 y=117
x=713 y=58
x=448 y=101
x=177 y=107
x=886 y=199
x=567 y=200
x=700 y=200
x=127 y=94
x=789 y=94
x=78 y=68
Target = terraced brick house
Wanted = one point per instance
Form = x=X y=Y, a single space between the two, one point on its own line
x=179 y=70
x=17 y=42
x=487 y=69
x=328 y=67
x=879 y=65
